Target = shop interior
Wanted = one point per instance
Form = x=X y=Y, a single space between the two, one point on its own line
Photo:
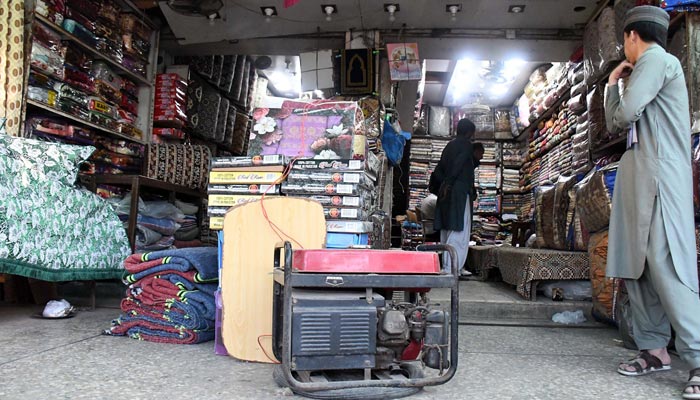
x=133 y=127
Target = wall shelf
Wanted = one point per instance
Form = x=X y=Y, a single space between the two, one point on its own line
x=120 y=69
x=548 y=113
x=81 y=121
x=608 y=146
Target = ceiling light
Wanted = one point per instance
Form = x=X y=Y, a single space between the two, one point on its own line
x=453 y=9
x=329 y=9
x=499 y=90
x=268 y=12
x=392 y=9
x=516 y=9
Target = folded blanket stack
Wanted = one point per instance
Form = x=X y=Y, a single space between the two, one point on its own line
x=170 y=298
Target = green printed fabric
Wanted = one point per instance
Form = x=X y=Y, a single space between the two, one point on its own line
x=49 y=228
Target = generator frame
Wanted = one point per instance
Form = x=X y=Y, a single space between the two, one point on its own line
x=288 y=278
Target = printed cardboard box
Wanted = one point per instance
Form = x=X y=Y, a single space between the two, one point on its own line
x=348 y=226
x=320 y=129
x=244 y=189
x=246 y=177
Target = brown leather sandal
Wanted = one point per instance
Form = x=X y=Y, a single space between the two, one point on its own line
x=653 y=364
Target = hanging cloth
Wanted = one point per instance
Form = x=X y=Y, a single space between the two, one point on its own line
x=11 y=63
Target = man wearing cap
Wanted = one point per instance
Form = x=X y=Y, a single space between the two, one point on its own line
x=652 y=236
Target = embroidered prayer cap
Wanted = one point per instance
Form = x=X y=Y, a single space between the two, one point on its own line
x=653 y=14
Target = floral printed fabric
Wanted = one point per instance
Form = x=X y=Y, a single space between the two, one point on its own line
x=319 y=129
x=49 y=229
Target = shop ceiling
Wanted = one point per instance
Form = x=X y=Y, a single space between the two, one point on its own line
x=544 y=31
x=483 y=29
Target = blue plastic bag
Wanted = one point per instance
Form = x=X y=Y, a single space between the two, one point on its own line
x=394 y=143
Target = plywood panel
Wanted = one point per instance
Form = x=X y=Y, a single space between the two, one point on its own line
x=246 y=277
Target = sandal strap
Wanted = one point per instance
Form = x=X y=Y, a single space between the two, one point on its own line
x=634 y=363
x=693 y=373
x=651 y=360
x=693 y=382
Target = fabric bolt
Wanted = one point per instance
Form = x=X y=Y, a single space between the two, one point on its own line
x=544 y=209
x=657 y=169
x=610 y=48
x=561 y=211
x=185 y=165
x=604 y=289
x=594 y=200
x=591 y=61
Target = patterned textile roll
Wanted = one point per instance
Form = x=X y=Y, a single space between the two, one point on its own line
x=604 y=290
x=179 y=164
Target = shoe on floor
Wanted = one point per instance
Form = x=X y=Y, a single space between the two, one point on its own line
x=464 y=272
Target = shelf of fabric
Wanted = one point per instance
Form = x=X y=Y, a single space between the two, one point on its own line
x=136 y=182
x=71 y=117
x=120 y=69
x=545 y=115
x=608 y=146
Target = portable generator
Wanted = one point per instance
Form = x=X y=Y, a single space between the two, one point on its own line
x=360 y=321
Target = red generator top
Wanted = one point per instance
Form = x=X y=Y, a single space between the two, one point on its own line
x=366 y=261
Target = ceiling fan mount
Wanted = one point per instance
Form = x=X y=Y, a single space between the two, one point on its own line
x=196 y=8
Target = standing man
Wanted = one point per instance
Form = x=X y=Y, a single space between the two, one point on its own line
x=453 y=180
x=652 y=237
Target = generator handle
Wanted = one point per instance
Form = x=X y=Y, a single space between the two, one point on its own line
x=287 y=246
x=450 y=269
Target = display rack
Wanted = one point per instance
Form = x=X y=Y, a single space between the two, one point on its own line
x=136 y=182
x=145 y=83
x=81 y=121
x=120 y=69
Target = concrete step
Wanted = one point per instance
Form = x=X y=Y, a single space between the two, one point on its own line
x=496 y=303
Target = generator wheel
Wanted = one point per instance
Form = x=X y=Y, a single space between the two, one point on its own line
x=381 y=393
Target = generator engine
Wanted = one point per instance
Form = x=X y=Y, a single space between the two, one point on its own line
x=362 y=329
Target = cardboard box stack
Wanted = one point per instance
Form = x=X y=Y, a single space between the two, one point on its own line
x=169 y=109
x=238 y=180
x=347 y=191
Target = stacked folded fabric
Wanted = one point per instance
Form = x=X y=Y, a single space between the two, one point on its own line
x=416 y=195
x=514 y=153
x=511 y=180
x=170 y=298
x=189 y=234
x=487 y=229
x=421 y=148
x=517 y=204
x=420 y=173
x=488 y=202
